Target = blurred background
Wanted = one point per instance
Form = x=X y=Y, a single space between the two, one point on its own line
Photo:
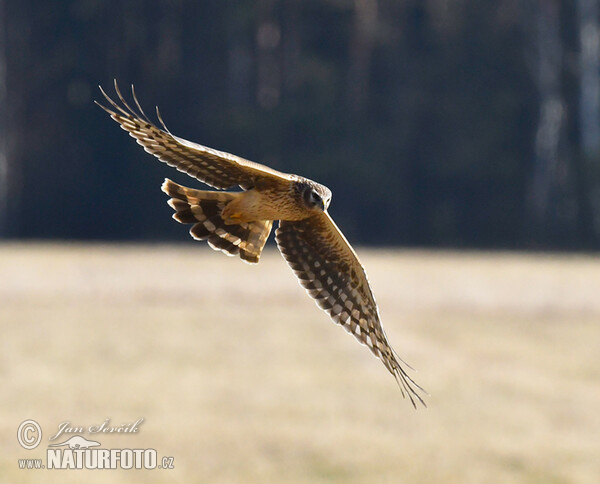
x=441 y=126
x=438 y=123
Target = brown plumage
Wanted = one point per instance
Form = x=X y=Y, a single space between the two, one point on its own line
x=239 y=223
x=203 y=209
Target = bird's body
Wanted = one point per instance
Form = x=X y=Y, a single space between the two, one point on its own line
x=281 y=200
x=239 y=223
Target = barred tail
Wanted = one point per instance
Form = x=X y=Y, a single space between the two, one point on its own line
x=203 y=209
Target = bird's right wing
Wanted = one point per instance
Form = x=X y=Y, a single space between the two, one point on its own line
x=215 y=168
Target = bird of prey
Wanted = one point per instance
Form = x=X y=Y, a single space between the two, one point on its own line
x=239 y=223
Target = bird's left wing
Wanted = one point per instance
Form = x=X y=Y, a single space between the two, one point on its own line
x=215 y=168
x=329 y=269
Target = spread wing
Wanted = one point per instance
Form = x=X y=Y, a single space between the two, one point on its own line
x=215 y=168
x=328 y=268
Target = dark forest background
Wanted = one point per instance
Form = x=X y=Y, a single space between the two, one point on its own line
x=453 y=123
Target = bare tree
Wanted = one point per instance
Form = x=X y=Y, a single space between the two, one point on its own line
x=362 y=43
x=589 y=69
x=589 y=115
x=4 y=157
x=291 y=45
x=550 y=130
x=268 y=40
x=239 y=62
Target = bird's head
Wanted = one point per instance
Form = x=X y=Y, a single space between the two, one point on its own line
x=315 y=196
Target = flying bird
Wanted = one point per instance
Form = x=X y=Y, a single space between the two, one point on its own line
x=239 y=223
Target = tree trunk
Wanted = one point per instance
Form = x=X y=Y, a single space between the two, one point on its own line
x=550 y=128
x=589 y=120
x=291 y=46
x=268 y=40
x=361 y=50
x=5 y=188
x=589 y=72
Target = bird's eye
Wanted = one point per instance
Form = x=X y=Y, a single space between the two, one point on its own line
x=316 y=197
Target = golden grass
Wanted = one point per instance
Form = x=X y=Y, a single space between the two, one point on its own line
x=242 y=379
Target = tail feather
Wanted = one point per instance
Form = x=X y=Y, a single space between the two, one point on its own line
x=203 y=209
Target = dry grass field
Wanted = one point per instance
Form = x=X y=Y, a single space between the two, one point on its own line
x=241 y=378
